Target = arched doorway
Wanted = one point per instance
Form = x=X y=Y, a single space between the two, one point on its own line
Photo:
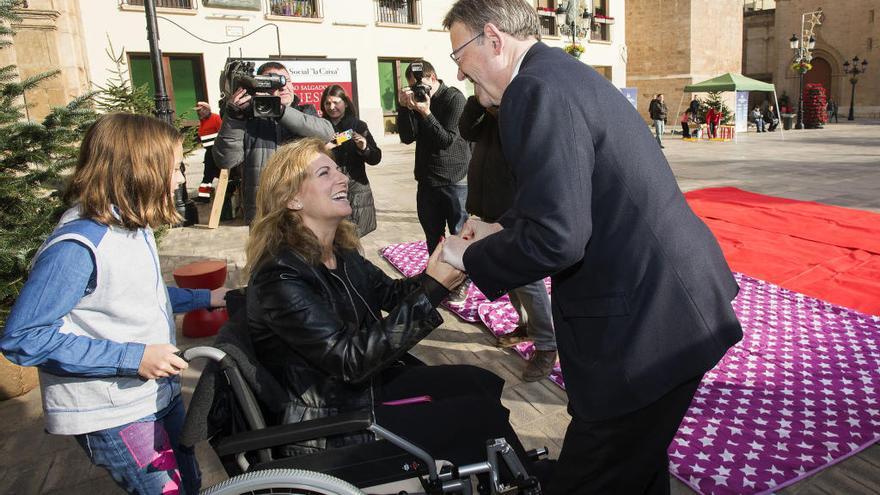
x=820 y=73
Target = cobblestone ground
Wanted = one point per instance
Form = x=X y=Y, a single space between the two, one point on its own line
x=838 y=165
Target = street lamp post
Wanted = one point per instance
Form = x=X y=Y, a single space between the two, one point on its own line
x=803 y=55
x=853 y=71
x=571 y=18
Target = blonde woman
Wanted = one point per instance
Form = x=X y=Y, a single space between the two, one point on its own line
x=332 y=327
x=96 y=317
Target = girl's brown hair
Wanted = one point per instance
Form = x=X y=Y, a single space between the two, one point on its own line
x=125 y=161
x=275 y=225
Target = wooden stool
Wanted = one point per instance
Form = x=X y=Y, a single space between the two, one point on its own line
x=208 y=274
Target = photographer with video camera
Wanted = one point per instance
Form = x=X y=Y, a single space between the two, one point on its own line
x=261 y=114
x=428 y=115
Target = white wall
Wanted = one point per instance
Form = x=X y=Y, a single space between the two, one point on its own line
x=347 y=30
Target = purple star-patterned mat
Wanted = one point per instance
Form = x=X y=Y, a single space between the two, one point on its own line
x=798 y=394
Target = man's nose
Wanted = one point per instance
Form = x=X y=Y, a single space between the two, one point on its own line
x=460 y=75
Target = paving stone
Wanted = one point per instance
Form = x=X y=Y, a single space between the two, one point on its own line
x=838 y=165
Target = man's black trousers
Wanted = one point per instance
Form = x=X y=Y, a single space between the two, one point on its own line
x=622 y=455
x=439 y=207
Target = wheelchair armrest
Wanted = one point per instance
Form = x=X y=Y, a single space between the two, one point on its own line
x=274 y=436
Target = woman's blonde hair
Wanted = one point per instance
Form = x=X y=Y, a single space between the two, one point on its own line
x=125 y=160
x=275 y=225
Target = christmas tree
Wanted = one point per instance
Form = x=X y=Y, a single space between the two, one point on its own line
x=34 y=157
x=715 y=101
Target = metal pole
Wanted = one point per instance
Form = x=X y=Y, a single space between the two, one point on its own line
x=163 y=110
x=852 y=99
x=800 y=110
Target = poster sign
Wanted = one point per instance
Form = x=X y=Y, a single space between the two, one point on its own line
x=631 y=94
x=310 y=77
x=742 y=111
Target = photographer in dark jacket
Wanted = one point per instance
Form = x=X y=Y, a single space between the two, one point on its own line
x=314 y=311
x=352 y=155
x=442 y=155
x=251 y=141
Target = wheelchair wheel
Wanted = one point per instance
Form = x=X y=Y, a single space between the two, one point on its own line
x=283 y=481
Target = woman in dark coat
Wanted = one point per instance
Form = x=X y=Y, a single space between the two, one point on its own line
x=352 y=152
x=331 y=327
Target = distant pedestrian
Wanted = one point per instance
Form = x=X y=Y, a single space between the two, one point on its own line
x=686 y=118
x=209 y=126
x=758 y=118
x=694 y=107
x=658 y=112
x=831 y=107
x=771 y=118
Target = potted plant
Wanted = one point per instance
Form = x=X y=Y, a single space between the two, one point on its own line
x=574 y=49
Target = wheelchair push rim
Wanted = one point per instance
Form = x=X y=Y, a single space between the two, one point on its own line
x=283 y=481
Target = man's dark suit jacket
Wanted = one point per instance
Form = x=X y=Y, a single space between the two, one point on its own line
x=641 y=290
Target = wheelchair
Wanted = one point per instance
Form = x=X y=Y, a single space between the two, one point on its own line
x=390 y=464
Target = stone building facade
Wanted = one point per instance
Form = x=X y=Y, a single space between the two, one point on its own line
x=48 y=37
x=380 y=36
x=849 y=29
x=675 y=43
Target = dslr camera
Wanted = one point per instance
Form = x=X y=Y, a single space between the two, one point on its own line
x=420 y=90
x=240 y=74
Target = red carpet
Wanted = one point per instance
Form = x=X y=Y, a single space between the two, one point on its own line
x=827 y=252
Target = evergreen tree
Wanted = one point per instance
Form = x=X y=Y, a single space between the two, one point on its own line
x=117 y=94
x=715 y=101
x=34 y=157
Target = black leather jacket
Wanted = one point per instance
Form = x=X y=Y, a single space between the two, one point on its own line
x=322 y=335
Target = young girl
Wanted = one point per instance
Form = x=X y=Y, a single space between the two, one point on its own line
x=96 y=317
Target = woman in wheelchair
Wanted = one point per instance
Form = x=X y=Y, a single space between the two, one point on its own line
x=315 y=316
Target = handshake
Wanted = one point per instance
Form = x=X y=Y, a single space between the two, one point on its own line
x=455 y=246
x=445 y=264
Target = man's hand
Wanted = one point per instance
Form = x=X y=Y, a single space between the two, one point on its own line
x=453 y=251
x=238 y=103
x=442 y=272
x=423 y=107
x=159 y=361
x=475 y=230
x=405 y=98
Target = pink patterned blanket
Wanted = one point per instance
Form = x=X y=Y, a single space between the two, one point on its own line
x=798 y=394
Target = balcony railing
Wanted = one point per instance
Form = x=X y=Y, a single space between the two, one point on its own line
x=398 y=11
x=294 y=8
x=168 y=4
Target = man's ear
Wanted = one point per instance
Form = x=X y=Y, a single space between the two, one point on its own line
x=494 y=36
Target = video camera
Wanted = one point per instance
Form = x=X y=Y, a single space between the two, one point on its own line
x=240 y=74
x=420 y=90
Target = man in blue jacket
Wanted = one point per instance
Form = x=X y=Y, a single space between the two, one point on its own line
x=641 y=290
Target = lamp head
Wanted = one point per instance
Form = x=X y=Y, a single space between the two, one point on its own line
x=811 y=43
x=794 y=42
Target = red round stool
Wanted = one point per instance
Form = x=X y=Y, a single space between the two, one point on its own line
x=208 y=274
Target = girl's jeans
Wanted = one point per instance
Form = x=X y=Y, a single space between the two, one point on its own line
x=145 y=457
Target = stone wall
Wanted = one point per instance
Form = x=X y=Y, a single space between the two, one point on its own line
x=845 y=32
x=49 y=37
x=673 y=43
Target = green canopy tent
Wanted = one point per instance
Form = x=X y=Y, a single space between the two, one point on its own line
x=731 y=82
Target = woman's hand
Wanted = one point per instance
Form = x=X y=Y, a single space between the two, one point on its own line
x=443 y=272
x=359 y=141
x=159 y=361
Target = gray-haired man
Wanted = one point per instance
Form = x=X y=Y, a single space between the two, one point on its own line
x=641 y=291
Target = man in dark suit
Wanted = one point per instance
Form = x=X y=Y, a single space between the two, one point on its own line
x=641 y=290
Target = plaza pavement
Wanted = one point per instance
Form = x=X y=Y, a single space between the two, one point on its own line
x=838 y=165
